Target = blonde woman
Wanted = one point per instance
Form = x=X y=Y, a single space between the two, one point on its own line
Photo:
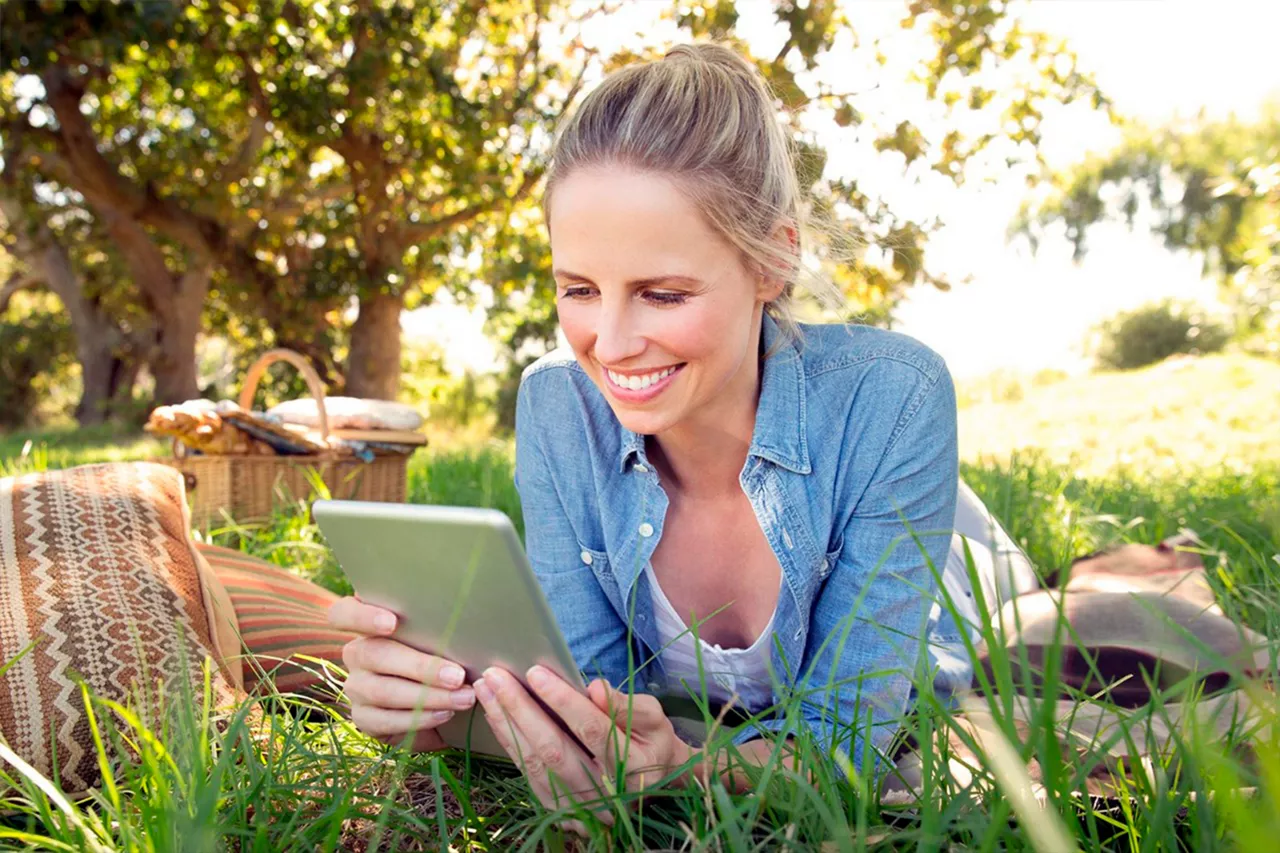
x=716 y=497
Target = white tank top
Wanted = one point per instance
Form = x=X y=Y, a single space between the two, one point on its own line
x=741 y=673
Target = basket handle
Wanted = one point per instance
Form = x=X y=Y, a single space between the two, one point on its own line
x=270 y=357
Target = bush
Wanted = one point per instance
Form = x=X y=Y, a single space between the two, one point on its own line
x=450 y=402
x=36 y=354
x=1257 y=307
x=1154 y=332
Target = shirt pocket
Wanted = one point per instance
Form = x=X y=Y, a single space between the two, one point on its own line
x=828 y=562
x=595 y=560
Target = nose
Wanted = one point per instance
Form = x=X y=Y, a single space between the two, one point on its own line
x=618 y=337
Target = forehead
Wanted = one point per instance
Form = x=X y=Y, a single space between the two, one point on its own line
x=616 y=215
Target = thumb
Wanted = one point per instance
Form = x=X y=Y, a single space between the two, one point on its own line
x=602 y=696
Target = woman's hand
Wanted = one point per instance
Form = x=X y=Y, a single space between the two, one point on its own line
x=645 y=745
x=397 y=693
x=621 y=731
x=559 y=772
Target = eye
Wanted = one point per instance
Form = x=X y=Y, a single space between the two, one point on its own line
x=577 y=291
x=665 y=297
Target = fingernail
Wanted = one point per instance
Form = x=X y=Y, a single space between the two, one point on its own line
x=385 y=623
x=483 y=692
x=463 y=699
x=439 y=717
x=452 y=675
x=537 y=677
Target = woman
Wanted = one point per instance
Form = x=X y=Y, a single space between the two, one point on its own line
x=701 y=460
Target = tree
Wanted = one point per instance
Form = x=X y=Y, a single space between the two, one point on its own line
x=969 y=46
x=285 y=157
x=429 y=115
x=102 y=345
x=54 y=155
x=1211 y=187
x=270 y=163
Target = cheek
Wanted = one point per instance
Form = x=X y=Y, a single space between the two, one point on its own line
x=708 y=332
x=576 y=323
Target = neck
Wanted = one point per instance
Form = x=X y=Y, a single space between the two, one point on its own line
x=704 y=456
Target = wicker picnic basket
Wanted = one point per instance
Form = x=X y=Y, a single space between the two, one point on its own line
x=248 y=488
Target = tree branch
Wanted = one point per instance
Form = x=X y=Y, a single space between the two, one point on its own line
x=89 y=172
x=291 y=204
x=53 y=166
x=529 y=58
x=416 y=232
x=17 y=154
x=18 y=281
x=577 y=84
x=78 y=145
x=259 y=109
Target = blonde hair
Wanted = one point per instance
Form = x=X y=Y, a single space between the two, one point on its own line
x=704 y=116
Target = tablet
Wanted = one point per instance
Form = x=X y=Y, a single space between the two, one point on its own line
x=463 y=589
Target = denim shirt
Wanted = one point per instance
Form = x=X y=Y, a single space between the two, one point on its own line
x=852 y=474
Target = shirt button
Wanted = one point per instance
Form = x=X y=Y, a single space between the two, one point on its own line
x=646 y=530
x=640 y=469
x=586 y=557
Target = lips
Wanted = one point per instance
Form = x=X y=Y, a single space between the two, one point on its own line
x=640 y=387
x=639 y=382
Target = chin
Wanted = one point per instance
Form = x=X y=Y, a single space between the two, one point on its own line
x=641 y=422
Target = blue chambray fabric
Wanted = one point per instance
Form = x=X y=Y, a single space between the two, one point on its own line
x=852 y=473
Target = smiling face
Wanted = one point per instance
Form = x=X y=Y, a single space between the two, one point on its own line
x=659 y=309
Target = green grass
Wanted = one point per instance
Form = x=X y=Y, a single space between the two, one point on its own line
x=312 y=782
x=1182 y=414
x=67 y=446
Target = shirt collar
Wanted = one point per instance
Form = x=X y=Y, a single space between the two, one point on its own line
x=780 y=433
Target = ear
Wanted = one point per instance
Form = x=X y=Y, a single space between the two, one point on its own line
x=773 y=280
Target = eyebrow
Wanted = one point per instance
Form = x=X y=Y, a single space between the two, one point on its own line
x=636 y=282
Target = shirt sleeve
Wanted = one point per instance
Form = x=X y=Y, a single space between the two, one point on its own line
x=597 y=637
x=868 y=627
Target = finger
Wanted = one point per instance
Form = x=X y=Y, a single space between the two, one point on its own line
x=598 y=693
x=384 y=691
x=553 y=789
x=626 y=709
x=383 y=723
x=505 y=732
x=579 y=828
x=352 y=614
x=552 y=751
x=581 y=714
x=389 y=657
x=422 y=740
x=545 y=749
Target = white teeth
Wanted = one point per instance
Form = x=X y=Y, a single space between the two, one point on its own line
x=639 y=383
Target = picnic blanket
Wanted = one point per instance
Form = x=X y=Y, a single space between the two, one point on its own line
x=1143 y=654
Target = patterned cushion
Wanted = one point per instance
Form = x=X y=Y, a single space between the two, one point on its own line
x=283 y=620
x=99 y=583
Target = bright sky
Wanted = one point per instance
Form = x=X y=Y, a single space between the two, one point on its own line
x=1155 y=59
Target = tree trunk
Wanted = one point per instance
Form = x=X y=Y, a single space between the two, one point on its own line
x=174 y=303
x=373 y=365
x=107 y=372
x=174 y=361
x=106 y=377
x=107 y=381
